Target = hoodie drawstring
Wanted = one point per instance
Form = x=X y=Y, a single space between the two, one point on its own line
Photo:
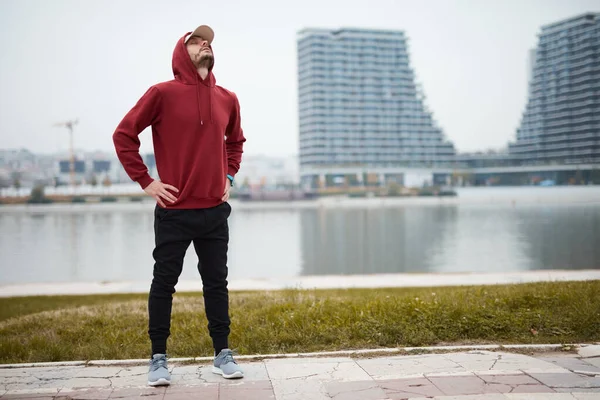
x=210 y=100
x=210 y=103
x=198 y=102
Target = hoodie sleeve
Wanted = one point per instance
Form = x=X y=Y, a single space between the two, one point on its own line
x=235 y=139
x=126 y=137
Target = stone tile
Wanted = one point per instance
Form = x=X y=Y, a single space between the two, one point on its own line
x=152 y=393
x=567 y=380
x=554 y=370
x=249 y=390
x=23 y=382
x=586 y=396
x=129 y=381
x=408 y=366
x=324 y=370
x=32 y=384
x=299 y=389
x=573 y=364
x=83 y=383
x=539 y=388
x=29 y=396
x=402 y=388
x=487 y=396
x=513 y=380
x=98 y=372
x=593 y=361
x=132 y=371
x=461 y=385
x=38 y=377
x=30 y=393
x=589 y=351
x=85 y=394
x=188 y=380
x=204 y=392
x=448 y=374
x=475 y=360
x=595 y=391
x=113 y=363
x=500 y=388
x=539 y=396
x=520 y=383
x=13 y=373
x=252 y=372
x=586 y=373
x=307 y=360
x=361 y=390
x=52 y=371
x=520 y=362
x=185 y=370
x=303 y=378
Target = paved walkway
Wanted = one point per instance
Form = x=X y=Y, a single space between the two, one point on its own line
x=479 y=374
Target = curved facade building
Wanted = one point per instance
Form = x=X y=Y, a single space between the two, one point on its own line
x=359 y=104
x=561 y=122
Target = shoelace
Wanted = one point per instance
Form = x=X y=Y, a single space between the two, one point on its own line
x=158 y=363
x=229 y=357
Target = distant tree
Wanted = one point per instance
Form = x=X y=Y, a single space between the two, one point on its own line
x=93 y=180
x=106 y=181
x=38 y=196
x=4 y=182
x=17 y=183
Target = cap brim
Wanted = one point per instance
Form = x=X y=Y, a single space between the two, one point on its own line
x=203 y=31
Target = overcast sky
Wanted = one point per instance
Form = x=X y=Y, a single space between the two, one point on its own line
x=92 y=60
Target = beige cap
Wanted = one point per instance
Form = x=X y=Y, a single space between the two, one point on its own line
x=203 y=31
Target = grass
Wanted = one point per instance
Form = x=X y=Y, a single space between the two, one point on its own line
x=62 y=328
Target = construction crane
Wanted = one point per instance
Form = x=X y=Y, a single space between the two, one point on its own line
x=69 y=125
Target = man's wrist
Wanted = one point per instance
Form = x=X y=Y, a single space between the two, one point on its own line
x=230 y=179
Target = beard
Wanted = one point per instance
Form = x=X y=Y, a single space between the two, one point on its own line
x=205 y=60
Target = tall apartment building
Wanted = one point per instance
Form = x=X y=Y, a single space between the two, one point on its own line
x=561 y=122
x=359 y=104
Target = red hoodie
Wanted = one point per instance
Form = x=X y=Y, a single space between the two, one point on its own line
x=196 y=131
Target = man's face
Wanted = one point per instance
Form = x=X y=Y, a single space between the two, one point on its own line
x=199 y=51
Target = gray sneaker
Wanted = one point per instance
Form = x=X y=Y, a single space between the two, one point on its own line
x=225 y=365
x=158 y=375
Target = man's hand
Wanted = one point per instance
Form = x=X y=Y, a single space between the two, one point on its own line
x=158 y=190
x=227 y=189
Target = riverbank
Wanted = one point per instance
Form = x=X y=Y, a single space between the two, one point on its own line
x=483 y=196
x=64 y=328
x=372 y=281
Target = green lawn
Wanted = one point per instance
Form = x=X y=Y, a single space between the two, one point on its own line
x=64 y=328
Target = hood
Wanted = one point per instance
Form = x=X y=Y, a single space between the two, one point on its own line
x=183 y=68
x=186 y=73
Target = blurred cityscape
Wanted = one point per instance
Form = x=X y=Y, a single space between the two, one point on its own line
x=364 y=121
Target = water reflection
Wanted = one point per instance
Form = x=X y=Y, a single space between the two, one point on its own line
x=481 y=239
x=367 y=241
x=95 y=244
x=561 y=237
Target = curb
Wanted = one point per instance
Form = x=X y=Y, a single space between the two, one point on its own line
x=360 y=352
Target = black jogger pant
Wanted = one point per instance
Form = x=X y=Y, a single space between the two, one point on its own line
x=174 y=230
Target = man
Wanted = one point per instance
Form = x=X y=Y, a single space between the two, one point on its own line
x=198 y=145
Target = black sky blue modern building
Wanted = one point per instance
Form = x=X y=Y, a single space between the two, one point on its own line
x=561 y=122
x=359 y=103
